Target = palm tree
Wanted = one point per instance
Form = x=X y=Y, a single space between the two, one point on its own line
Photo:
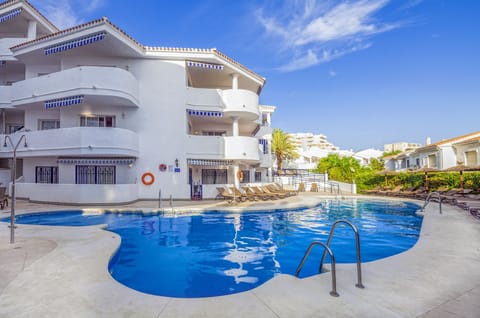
x=282 y=147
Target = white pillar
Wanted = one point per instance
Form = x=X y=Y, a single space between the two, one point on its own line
x=270 y=177
x=269 y=122
x=234 y=81
x=235 y=126
x=236 y=169
x=32 y=30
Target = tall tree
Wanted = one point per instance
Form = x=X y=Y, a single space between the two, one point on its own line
x=282 y=147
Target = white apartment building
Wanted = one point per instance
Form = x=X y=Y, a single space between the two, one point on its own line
x=305 y=141
x=96 y=117
x=401 y=146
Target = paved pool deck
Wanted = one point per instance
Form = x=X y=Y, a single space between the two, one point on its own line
x=62 y=272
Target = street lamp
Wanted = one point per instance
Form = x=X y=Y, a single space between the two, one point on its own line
x=12 y=211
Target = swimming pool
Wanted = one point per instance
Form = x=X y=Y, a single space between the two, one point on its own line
x=219 y=253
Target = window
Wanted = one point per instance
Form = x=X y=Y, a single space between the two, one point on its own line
x=471 y=158
x=45 y=124
x=214 y=176
x=95 y=175
x=258 y=176
x=97 y=121
x=432 y=161
x=246 y=176
x=46 y=174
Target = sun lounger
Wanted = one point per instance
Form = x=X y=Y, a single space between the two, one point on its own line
x=262 y=194
x=239 y=194
x=276 y=190
x=274 y=194
x=226 y=195
x=301 y=187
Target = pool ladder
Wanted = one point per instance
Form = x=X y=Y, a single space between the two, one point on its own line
x=327 y=249
x=427 y=201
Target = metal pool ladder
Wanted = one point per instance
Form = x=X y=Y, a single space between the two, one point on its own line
x=427 y=201
x=327 y=249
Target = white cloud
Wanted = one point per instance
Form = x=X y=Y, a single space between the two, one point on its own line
x=311 y=33
x=66 y=13
x=332 y=73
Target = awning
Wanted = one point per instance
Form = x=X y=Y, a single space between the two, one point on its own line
x=205 y=65
x=75 y=43
x=204 y=162
x=67 y=101
x=83 y=161
x=192 y=112
x=9 y=15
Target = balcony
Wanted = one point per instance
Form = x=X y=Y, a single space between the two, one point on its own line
x=6 y=44
x=76 y=141
x=5 y=96
x=266 y=160
x=223 y=148
x=98 y=85
x=240 y=103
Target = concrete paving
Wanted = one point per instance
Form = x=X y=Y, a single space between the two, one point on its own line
x=62 y=272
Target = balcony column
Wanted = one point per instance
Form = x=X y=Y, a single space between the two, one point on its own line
x=269 y=120
x=234 y=81
x=236 y=169
x=235 y=126
x=32 y=30
x=269 y=152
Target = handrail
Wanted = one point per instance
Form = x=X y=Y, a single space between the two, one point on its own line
x=159 y=198
x=357 y=243
x=333 y=292
x=427 y=201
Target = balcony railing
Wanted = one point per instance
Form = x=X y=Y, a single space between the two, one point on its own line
x=91 y=141
x=5 y=96
x=224 y=148
x=232 y=102
x=119 y=86
x=6 y=44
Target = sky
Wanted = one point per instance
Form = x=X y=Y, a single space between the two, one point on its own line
x=363 y=73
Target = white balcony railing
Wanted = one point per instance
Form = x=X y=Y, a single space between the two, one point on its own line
x=118 y=85
x=233 y=102
x=228 y=148
x=5 y=96
x=241 y=103
x=6 y=44
x=76 y=141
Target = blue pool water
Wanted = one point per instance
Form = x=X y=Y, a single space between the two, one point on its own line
x=216 y=253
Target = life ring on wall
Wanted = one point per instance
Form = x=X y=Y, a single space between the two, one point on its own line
x=240 y=175
x=162 y=167
x=148 y=178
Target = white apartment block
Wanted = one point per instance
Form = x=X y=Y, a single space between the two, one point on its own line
x=93 y=116
x=308 y=140
x=401 y=146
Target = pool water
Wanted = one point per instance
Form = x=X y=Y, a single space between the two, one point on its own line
x=219 y=253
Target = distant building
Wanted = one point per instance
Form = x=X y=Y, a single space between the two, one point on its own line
x=461 y=150
x=400 y=146
x=364 y=157
x=308 y=140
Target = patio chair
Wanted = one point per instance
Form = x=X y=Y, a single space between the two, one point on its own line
x=3 y=197
x=301 y=187
x=314 y=187
x=223 y=193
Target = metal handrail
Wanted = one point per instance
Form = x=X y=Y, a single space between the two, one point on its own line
x=159 y=198
x=357 y=243
x=333 y=292
x=427 y=201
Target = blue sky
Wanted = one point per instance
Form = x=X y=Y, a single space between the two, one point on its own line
x=364 y=73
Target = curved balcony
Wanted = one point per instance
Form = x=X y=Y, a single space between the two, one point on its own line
x=224 y=148
x=241 y=148
x=76 y=141
x=241 y=103
x=5 y=96
x=99 y=85
x=204 y=99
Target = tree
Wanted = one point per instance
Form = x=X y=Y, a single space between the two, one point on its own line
x=282 y=147
x=339 y=168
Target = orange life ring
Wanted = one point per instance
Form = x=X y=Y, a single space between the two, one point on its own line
x=240 y=175
x=148 y=178
x=162 y=167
